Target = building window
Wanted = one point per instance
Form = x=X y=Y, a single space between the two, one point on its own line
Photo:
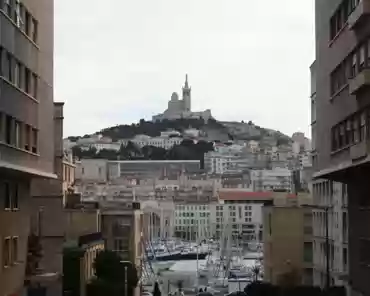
x=34 y=30
x=6 y=252
x=7 y=7
x=27 y=22
x=356 y=130
x=16 y=73
x=9 y=70
x=362 y=133
x=17 y=131
x=14 y=250
x=361 y=65
x=7 y=196
x=17 y=13
x=11 y=196
x=27 y=80
x=34 y=140
x=8 y=129
x=334 y=139
x=15 y=197
x=118 y=244
x=27 y=140
x=341 y=135
x=349 y=135
x=340 y=17
x=34 y=85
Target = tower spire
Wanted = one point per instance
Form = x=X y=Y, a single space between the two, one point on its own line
x=186 y=81
x=186 y=95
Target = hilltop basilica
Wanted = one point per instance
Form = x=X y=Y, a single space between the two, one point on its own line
x=182 y=108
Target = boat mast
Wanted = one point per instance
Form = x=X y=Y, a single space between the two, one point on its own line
x=197 y=241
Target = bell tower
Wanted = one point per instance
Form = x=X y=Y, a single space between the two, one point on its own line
x=186 y=95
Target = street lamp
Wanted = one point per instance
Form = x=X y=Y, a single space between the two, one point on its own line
x=327 y=245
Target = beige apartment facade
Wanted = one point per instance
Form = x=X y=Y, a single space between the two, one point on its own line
x=122 y=228
x=287 y=239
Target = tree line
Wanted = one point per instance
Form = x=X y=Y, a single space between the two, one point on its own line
x=153 y=129
x=186 y=150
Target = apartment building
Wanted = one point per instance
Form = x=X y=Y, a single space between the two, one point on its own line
x=287 y=241
x=333 y=197
x=26 y=118
x=46 y=206
x=342 y=119
x=122 y=229
x=274 y=179
x=192 y=221
x=242 y=209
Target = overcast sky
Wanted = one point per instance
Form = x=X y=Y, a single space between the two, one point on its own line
x=117 y=61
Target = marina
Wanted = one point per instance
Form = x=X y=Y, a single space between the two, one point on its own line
x=221 y=267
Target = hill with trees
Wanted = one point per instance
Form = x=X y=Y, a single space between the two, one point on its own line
x=212 y=130
x=186 y=150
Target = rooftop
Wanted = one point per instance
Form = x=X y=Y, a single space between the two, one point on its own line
x=250 y=195
x=245 y=195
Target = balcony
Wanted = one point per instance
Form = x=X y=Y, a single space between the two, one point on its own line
x=359 y=150
x=360 y=15
x=359 y=82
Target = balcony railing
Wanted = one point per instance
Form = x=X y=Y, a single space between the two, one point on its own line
x=360 y=81
x=360 y=15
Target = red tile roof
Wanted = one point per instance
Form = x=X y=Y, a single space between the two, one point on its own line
x=245 y=195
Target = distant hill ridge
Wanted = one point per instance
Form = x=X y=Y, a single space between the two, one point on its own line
x=212 y=129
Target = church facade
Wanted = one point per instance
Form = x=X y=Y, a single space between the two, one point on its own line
x=181 y=108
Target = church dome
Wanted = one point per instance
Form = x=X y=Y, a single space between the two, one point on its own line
x=174 y=96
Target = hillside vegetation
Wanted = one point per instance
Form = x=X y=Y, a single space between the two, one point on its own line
x=213 y=130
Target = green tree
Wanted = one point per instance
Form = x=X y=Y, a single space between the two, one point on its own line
x=113 y=277
x=71 y=270
x=256 y=270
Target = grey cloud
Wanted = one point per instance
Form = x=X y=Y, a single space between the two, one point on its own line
x=119 y=60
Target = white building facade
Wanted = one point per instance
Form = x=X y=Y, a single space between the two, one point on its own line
x=165 y=142
x=192 y=221
x=242 y=210
x=274 y=179
x=330 y=198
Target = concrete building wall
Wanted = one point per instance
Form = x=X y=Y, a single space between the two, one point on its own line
x=81 y=222
x=342 y=100
x=95 y=170
x=333 y=195
x=244 y=216
x=192 y=221
x=122 y=230
x=26 y=115
x=14 y=224
x=287 y=243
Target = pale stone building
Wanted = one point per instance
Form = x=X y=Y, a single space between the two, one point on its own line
x=178 y=108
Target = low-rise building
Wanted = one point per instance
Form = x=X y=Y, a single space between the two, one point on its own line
x=192 y=221
x=274 y=179
x=122 y=228
x=242 y=209
x=287 y=240
x=333 y=197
